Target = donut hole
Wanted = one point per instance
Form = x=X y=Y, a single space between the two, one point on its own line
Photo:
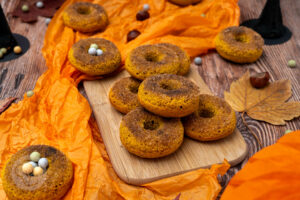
x=169 y=85
x=83 y=10
x=152 y=57
x=206 y=113
x=241 y=38
x=151 y=124
x=134 y=88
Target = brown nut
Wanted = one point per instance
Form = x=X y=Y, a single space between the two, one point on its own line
x=260 y=80
x=142 y=15
x=132 y=35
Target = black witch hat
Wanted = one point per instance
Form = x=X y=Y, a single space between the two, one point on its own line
x=7 y=39
x=269 y=25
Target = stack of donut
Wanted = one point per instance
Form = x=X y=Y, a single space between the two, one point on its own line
x=161 y=105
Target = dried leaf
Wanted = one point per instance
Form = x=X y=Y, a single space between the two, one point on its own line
x=267 y=104
x=5 y=103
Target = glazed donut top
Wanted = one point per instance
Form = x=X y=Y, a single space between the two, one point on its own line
x=110 y=51
x=146 y=126
x=147 y=60
x=242 y=37
x=171 y=85
x=59 y=172
x=84 y=10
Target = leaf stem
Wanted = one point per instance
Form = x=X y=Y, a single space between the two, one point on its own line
x=257 y=139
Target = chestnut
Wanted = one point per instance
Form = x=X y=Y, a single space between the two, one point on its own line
x=142 y=15
x=132 y=35
x=260 y=80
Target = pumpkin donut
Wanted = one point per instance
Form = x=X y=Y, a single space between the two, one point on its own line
x=213 y=120
x=148 y=60
x=123 y=94
x=184 y=58
x=150 y=136
x=184 y=2
x=239 y=44
x=169 y=95
x=85 y=17
x=51 y=185
x=106 y=63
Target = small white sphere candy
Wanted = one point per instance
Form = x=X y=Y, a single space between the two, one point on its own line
x=27 y=168
x=34 y=164
x=35 y=156
x=47 y=21
x=94 y=46
x=99 y=52
x=38 y=171
x=92 y=51
x=198 y=61
x=39 y=4
x=43 y=163
x=146 y=7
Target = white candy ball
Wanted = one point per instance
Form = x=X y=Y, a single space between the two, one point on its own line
x=47 y=21
x=198 y=61
x=35 y=156
x=27 y=168
x=30 y=93
x=92 y=51
x=94 y=46
x=99 y=52
x=39 y=4
x=146 y=7
x=33 y=164
x=38 y=171
x=43 y=163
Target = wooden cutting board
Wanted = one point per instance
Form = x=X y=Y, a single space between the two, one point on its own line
x=190 y=156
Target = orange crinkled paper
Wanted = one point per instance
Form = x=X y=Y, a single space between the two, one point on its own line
x=58 y=115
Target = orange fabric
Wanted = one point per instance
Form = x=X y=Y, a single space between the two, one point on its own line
x=59 y=115
x=272 y=173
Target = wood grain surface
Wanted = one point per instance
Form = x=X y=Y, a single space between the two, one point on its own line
x=217 y=73
x=190 y=156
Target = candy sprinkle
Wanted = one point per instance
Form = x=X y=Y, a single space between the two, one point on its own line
x=94 y=46
x=35 y=156
x=30 y=93
x=34 y=164
x=3 y=50
x=99 y=52
x=146 y=7
x=39 y=4
x=198 y=61
x=17 y=49
x=43 y=163
x=38 y=171
x=47 y=21
x=27 y=168
x=92 y=51
x=292 y=63
x=288 y=131
x=25 y=8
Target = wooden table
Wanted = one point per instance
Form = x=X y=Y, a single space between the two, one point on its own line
x=216 y=72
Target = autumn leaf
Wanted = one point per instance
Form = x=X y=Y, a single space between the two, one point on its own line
x=5 y=103
x=267 y=104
